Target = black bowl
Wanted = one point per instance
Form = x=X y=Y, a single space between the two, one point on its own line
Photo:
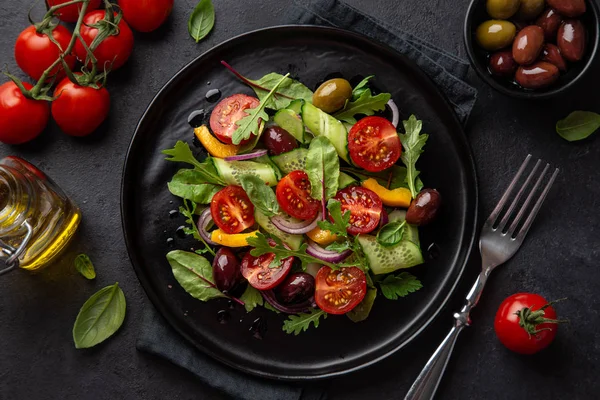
x=476 y=14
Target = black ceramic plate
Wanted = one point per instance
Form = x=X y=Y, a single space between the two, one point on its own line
x=338 y=345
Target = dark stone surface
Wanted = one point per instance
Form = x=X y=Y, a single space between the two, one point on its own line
x=560 y=257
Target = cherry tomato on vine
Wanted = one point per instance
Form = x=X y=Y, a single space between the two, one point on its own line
x=21 y=119
x=79 y=110
x=34 y=52
x=525 y=323
x=339 y=291
x=146 y=15
x=71 y=13
x=114 y=50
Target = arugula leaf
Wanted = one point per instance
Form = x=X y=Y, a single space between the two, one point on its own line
x=360 y=88
x=578 y=125
x=206 y=170
x=395 y=176
x=189 y=184
x=201 y=20
x=84 y=265
x=362 y=310
x=301 y=322
x=366 y=104
x=396 y=286
x=340 y=221
x=195 y=274
x=251 y=298
x=413 y=142
x=338 y=246
x=251 y=123
x=261 y=195
x=269 y=307
x=391 y=234
x=287 y=91
x=189 y=213
x=323 y=169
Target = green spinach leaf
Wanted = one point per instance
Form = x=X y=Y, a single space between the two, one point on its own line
x=201 y=20
x=391 y=234
x=261 y=195
x=301 y=322
x=206 y=170
x=195 y=274
x=323 y=169
x=251 y=298
x=362 y=310
x=100 y=317
x=84 y=265
x=578 y=125
x=396 y=286
x=412 y=141
x=366 y=104
x=189 y=184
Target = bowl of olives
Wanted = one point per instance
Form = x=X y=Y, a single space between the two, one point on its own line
x=532 y=48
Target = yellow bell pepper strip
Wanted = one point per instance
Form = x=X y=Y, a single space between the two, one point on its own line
x=321 y=237
x=213 y=145
x=231 y=240
x=399 y=197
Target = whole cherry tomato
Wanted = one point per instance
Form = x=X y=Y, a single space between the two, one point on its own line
x=21 y=119
x=71 y=13
x=34 y=52
x=146 y=15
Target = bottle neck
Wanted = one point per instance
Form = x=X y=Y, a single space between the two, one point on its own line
x=16 y=200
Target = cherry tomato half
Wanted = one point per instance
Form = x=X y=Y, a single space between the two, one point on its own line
x=293 y=195
x=374 y=144
x=21 y=119
x=339 y=291
x=535 y=335
x=232 y=210
x=225 y=115
x=114 y=50
x=34 y=52
x=259 y=273
x=79 y=110
x=71 y=13
x=365 y=208
x=146 y=15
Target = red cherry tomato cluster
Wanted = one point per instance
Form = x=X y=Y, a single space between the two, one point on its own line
x=102 y=41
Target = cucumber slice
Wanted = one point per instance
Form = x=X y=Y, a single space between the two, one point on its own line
x=322 y=124
x=411 y=232
x=294 y=241
x=345 y=180
x=291 y=122
x=230 y=171
x=267 y=160
x=383 y=260
x=296 y=105
x=291 y=161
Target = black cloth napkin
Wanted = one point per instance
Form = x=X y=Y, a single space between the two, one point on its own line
x=448 y=72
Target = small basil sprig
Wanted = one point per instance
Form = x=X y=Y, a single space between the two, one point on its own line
x=261 y=195
x=201 y=20
x=84 y=265
x=578 y=125
x=100 y=317
x=391 y=234
x=323 y=169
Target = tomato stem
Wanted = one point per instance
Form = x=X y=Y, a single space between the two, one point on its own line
x=530 y=320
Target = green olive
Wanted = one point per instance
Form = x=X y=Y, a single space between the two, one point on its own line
x=502 y=9
x=530 y=9
x=332 y=95
x=495 y=34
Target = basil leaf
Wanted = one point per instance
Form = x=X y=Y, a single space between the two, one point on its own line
x=362 y=310
x=287 y=91
x=206 y=170
x=394 y=287
x=391 y=234
x=251 y=123
x=301 y=322
x=100 y=317
x=84 y=265
x=251 y=298
x=189 y=184
x=201 y=20
x=361 y=88
x=578 y=125
x=261 y=195
x=323 y=169
x=366 y=104
x=413 y=142
x=195 y=274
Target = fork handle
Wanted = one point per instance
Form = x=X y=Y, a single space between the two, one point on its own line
x=429 y=379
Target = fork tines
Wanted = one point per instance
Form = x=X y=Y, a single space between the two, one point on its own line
x=494 y=220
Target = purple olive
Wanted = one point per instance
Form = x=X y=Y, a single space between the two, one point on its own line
x=296 y=288
x=278 y=140
x=424 y=207
x=226 y=270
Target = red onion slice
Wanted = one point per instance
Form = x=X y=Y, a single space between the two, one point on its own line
x=203 y=222
x=317 y=251
x=294 y=228
x=384 y=219
x=395 y=112
x=247 y=156
x=303 y=307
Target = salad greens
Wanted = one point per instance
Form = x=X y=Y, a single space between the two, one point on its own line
x=252 y=298
x=323 y=169
x=189 y=211
x=301 y=322
x=190 y=184
x=194 y=274
x=205 y=170
x=412 y=141
x=260 y=194
x=396 y=286
x=361 y=87
x=391 y=234
x=365 y=104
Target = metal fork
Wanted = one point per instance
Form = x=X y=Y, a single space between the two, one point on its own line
x=497 y=244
